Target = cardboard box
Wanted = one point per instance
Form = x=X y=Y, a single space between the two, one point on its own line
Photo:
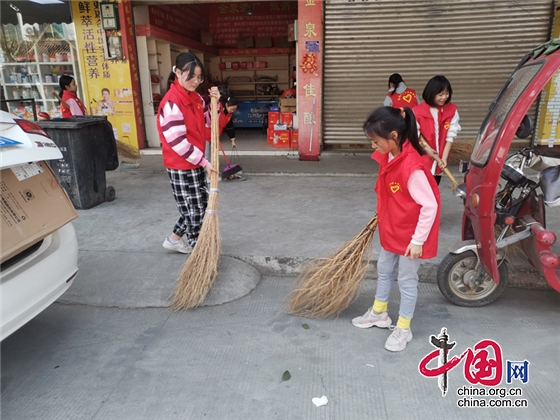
x=270 y=135
x=295 y=138
x=282 y=139
x=222 y=66
x=273 y=118
x=287 y=118
x=228 y=64
x=250 y=65
x=260 y=64
x=235 y=65
x=32 y=207
x=282 y=41
x=207 y=38
x=290 y=109
x=246 y=42
x=263 y=42
x=288 y=102
x=243 y=65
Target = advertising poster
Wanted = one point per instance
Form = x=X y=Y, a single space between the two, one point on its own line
x=109 y=86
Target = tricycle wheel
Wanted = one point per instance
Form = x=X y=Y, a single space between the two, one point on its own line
x=460 y=280
x=110 y=193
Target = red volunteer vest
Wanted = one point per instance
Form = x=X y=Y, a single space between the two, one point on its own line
x=66 y=95
x=426 y=121
x=407 y=98
x=396 y=209
x=192 y=108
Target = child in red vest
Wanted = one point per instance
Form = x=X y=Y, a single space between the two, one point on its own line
x=438 y=121
x=399 y=95
x=408 y=218
x=72 y=104
x=182 y=130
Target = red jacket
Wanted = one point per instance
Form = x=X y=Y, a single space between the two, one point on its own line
x=397 y=211
x=426 y=121
x=191 y=106
x=66 y=96
x=407 y=98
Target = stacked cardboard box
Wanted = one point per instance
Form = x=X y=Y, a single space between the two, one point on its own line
x=288 y=104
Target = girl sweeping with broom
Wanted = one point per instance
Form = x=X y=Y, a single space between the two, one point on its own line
x=408 y=218
x=182 y=129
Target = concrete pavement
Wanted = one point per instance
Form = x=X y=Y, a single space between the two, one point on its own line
x=111 y=350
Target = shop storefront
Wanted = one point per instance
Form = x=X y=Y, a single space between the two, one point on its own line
x=37 y=47
x=475 y=44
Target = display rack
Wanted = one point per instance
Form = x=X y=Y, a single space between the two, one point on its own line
x=34 y=74
x=257 y=83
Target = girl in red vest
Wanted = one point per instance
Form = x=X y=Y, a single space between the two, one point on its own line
x=408 y=218
x=182 y=131
x=68 y=89
x=399 y=95
x=438 y=121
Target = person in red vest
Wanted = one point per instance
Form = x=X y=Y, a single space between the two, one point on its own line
x=408 y=204
x=182 y=130
x=71 y=104
x=399 y=95
x=226 y=107
x=438 y=121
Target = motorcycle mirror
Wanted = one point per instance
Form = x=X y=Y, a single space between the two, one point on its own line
x=525 y=128
x=463 y=166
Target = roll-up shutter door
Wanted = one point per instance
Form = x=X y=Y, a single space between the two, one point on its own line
x=476 y=44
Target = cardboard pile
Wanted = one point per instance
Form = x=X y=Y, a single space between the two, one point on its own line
x=33 y=205
x=288 y=104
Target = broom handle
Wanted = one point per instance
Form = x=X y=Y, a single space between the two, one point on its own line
x=438 y=160
x=224 y=153
x=62 y=101
x=215 y=138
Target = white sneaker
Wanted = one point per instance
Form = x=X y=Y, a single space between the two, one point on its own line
x=398 y=339
x=179 y=246
x=369 y=319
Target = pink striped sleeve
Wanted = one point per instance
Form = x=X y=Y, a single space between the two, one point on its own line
x=174 y=131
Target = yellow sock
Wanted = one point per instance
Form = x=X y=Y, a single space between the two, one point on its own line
x=403 y=323
x=379 y=306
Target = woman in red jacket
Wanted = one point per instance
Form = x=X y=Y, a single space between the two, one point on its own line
x=399 y=94
x=72 y=104
x=408 y=218
x=182 y=130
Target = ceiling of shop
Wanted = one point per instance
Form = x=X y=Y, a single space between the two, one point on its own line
x=34 y=13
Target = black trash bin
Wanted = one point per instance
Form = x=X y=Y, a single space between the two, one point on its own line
x=87 y=145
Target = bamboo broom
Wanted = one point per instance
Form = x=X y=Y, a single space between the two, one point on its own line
x=123 y=149
x=327 y=286
x=440 y=163
x=200 y=270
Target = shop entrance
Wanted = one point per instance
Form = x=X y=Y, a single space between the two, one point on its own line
x=246 y=51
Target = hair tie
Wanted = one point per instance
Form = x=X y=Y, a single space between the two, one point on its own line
x=403 y=114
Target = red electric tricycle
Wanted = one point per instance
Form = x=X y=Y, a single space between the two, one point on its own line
x=505 y=194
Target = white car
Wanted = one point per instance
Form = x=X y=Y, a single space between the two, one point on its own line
x=39 y=274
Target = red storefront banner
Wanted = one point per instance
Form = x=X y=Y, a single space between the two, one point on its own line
x=184 y=19
x=309 y=77
x=264 y=19
x=256 y=51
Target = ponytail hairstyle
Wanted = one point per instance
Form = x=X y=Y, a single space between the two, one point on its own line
x=64 y=82
x=395 y=79
x=186 y=62
x=228 y=100
x=385 y=119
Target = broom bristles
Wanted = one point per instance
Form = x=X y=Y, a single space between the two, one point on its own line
x=327 y=286
x=127 y=151
x=201 y=269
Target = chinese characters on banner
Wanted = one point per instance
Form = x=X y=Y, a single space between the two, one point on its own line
x=269 y=19
x=110 y=86
x=309 y=75
x=184 y=19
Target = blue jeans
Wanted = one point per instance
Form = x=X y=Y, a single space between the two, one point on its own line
x=407 y=278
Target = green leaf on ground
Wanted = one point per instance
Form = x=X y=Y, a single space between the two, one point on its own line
x=286 y=376
x=305 y=326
